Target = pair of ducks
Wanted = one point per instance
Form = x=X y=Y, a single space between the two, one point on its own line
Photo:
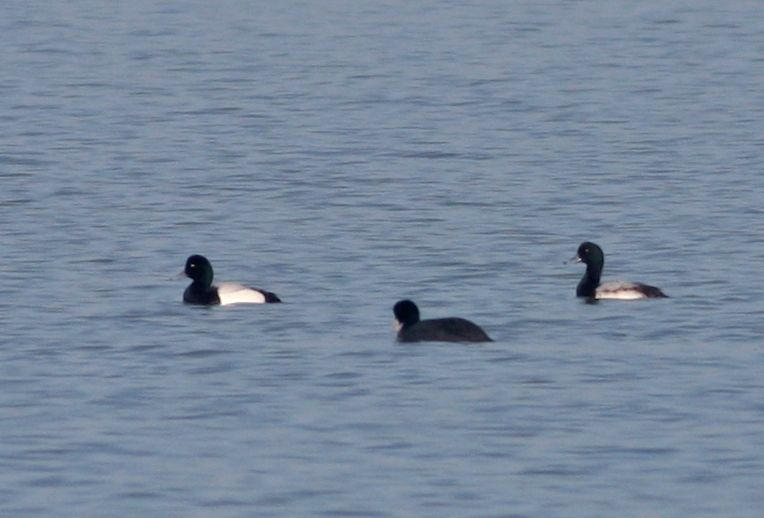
x=410 y=327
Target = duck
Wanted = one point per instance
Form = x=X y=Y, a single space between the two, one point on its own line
x=453 y=329
x=201 y=291
x=590 y=287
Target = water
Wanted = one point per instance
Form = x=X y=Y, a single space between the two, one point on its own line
x=345 y=155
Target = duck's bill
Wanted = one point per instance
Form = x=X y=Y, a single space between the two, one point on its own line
x=573 y=260
x=397 y=325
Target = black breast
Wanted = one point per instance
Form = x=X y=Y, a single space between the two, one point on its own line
x=196 y=294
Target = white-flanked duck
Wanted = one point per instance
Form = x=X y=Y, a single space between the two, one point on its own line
x=202 y=291
x=591 y=288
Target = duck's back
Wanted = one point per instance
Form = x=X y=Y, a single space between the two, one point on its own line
x=452 y=329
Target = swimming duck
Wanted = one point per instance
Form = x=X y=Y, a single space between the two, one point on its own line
x=591 y=288
x=201 y=290
x=453 y=329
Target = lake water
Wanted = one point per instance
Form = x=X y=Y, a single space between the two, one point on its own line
x=345 y=155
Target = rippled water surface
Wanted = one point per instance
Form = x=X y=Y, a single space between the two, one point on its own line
x=345 y=155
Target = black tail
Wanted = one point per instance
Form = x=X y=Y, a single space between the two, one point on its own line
x=271 y=297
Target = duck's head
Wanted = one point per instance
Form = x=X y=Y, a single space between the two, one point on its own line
x=199 y=268
x=590 y=254
x=406 y=313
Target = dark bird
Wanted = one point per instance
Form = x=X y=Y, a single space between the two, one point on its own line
x=452 y=329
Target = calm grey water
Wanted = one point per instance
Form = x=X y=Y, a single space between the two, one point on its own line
x=347 y=154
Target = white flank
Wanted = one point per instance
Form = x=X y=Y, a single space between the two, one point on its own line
x=232 y=293
x=619 y=290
